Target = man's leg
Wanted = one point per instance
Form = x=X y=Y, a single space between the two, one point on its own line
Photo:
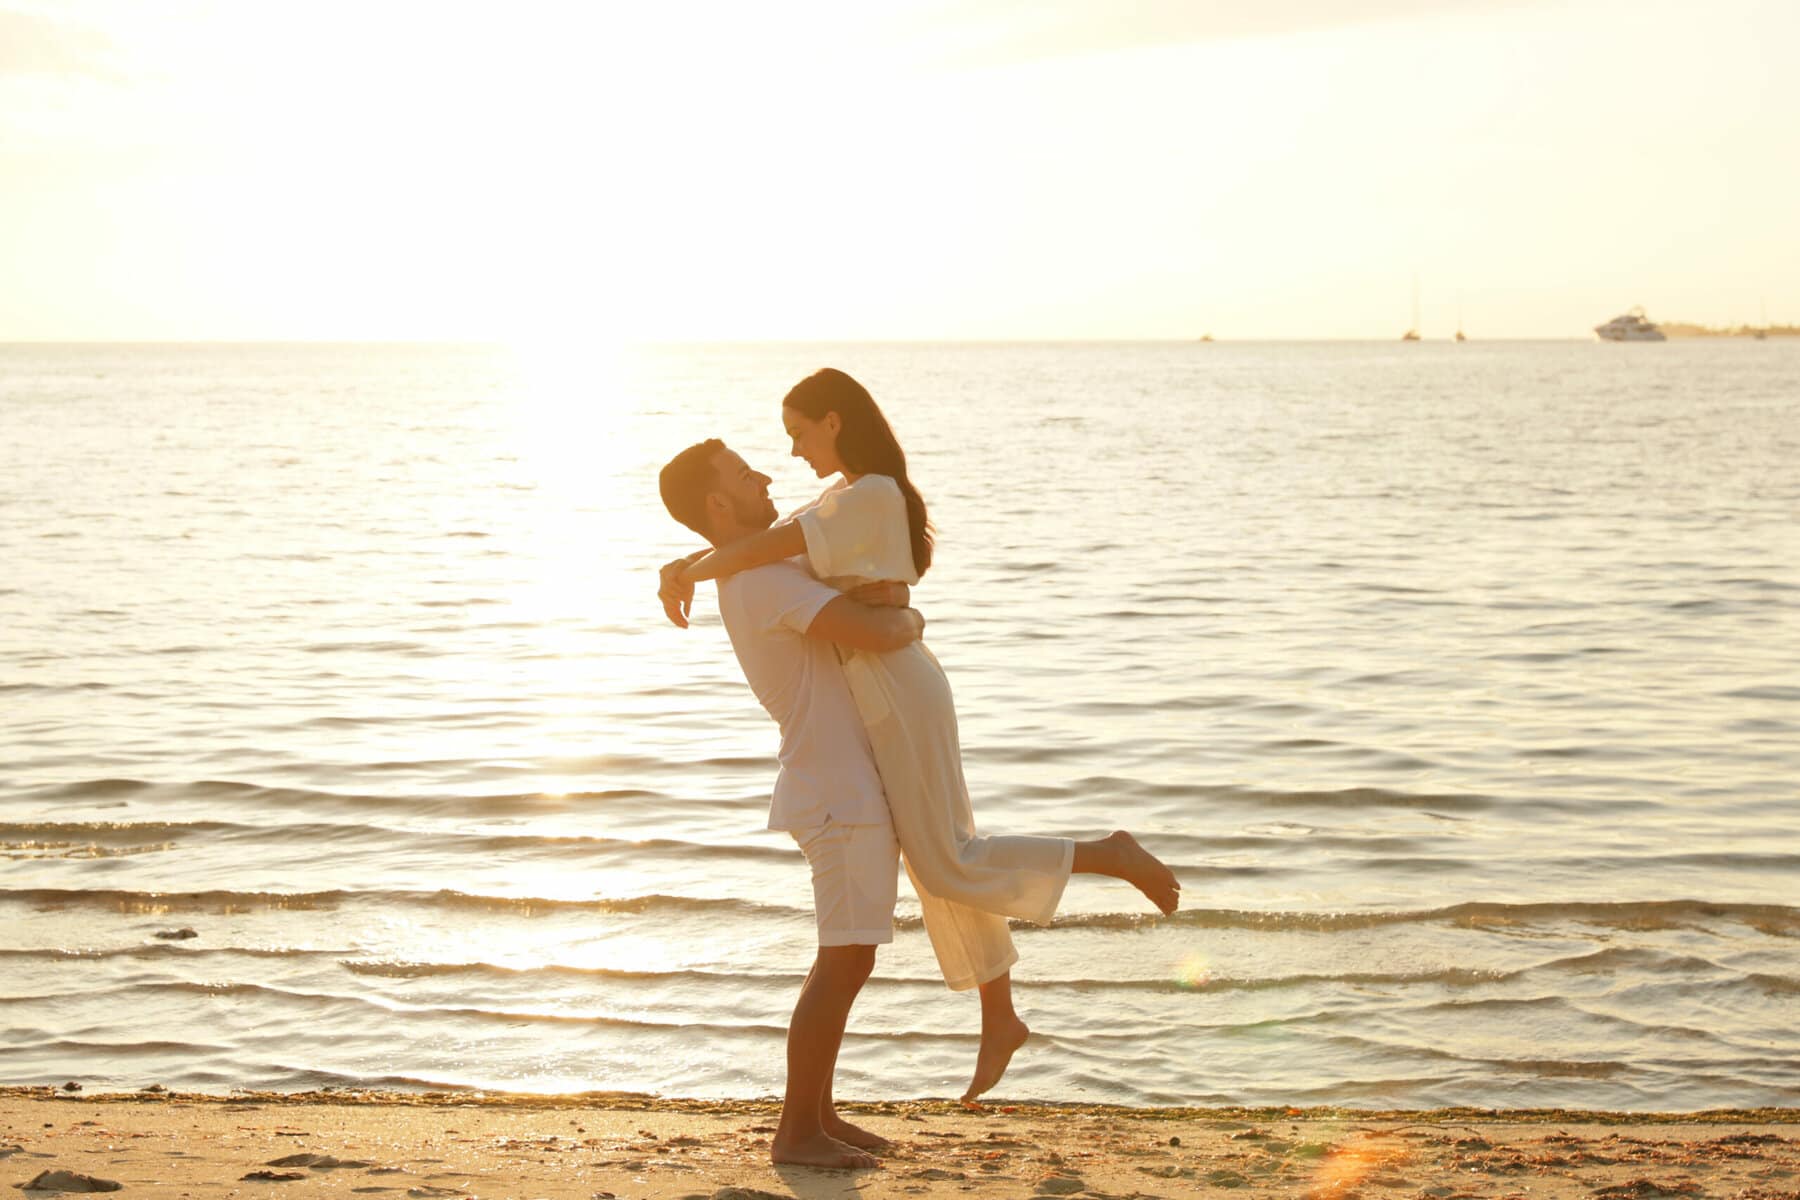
x=855 y=870
x=814 y=1035
x=844 y=1131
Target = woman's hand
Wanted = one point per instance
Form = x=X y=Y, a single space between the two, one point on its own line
x=676 y=594
x=887 y=593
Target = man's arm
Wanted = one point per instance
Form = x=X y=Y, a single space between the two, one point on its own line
x=859 y=627
x=890 y=593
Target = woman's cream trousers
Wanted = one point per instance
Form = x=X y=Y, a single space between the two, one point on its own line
x=968 y=884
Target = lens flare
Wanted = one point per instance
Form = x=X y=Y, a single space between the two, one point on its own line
x=1194 y=972
x=1348 y=1164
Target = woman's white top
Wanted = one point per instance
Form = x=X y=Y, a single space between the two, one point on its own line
x=858 y=533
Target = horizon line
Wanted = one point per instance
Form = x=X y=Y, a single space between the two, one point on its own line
x=785 y=341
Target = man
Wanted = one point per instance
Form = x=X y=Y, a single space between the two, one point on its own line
x=784 y=626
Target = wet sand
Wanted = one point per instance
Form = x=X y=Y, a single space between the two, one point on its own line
x=456 y=1144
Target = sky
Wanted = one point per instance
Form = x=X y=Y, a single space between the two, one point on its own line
x=933 y=169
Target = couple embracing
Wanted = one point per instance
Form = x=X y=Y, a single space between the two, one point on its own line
x=816 y=607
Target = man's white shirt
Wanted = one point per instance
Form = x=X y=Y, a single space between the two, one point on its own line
x=827 y=768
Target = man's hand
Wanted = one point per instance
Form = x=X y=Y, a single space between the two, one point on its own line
x=677 y=597
x=858 y=627
x=887 y=593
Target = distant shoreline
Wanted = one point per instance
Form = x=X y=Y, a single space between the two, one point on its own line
x=1680 y=329
x=1671 y=329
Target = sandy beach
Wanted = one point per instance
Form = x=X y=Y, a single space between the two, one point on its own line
x=158 y=1143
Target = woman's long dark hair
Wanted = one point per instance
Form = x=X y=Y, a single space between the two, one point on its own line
x=865 y=444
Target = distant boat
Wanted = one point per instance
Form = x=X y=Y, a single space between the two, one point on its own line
x=1205 y=337
x=1412 y=334
x=1633 y=326
x=1461 y=336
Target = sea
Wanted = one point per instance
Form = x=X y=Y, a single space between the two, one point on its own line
x=344 y=744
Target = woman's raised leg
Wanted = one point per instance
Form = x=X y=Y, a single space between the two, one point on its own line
x=1119 y=856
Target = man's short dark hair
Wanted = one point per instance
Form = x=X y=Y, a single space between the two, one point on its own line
x=686 y=482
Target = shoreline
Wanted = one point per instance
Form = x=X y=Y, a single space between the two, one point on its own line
x=642 y=1102
x=610 y=1146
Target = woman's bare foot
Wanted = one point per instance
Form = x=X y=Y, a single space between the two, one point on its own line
x=997 y=1046
x=852 y=1135
x=1144 y=871
x=819 y=1150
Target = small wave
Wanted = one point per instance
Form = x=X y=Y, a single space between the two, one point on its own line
x=387 y=969
x=1395 y=589
x=40 y=849
x=388 y=1007
x=1601 y=1068
x=125 y=1049
x=409 y=649
x=51 y=689
x=121 y=831
x=1459 y=977
x=1353 y=798
x=1633 y=958
x=93 y=787
x=219 y=900
x=139 y=836
x=1771 y=691
x=260 y=798
x=168 y=950
x=1364 y=797
x=1454 y=977
x=1451 y=977
x=1773 y=919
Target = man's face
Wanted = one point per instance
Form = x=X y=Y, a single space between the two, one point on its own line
x=746 y=491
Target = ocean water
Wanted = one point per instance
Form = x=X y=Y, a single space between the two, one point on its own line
x=1460 y=685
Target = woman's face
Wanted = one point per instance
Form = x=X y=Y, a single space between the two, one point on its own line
x=815 y=441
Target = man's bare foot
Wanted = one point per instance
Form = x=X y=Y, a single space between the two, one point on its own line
x=819 y=1150
x=1144 y=871
x=997 y=1046
x=852 y=1135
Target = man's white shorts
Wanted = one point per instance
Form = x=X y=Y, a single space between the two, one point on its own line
x=855 y=878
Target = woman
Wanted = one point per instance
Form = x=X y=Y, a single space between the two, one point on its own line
x=868 y=527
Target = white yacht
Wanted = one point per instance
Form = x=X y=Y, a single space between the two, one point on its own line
x=1633 y=326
